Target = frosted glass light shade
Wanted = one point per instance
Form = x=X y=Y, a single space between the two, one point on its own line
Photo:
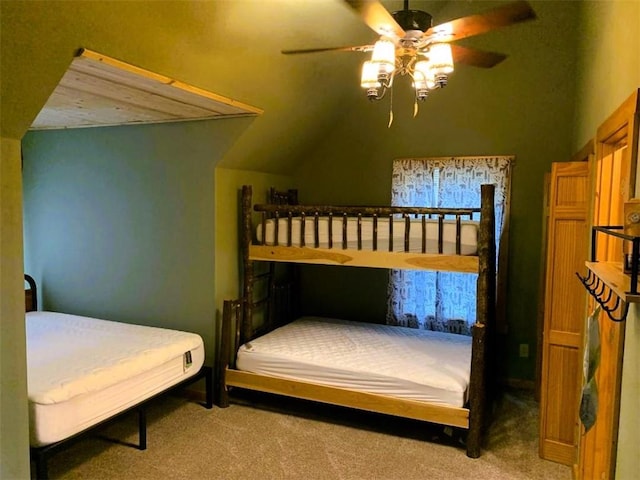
x=440 y=58
x=384 y=55
x=369 y=78
x=423 y=76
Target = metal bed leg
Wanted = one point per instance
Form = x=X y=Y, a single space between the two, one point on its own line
x=142 y=428
x=208 y=385
x=40 y=459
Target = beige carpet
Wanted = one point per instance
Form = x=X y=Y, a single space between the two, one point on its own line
x=186 y=441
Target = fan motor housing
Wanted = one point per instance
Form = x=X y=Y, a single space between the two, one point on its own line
x=413 y=20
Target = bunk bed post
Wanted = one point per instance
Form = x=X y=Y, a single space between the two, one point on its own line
x=228 y=346
x=247 y=274
x=479 y=388
x=223 y=355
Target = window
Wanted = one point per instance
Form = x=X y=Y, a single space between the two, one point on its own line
x=443 y=301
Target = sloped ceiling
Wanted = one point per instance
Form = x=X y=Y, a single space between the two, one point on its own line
x=98 y=91
x=229 y=48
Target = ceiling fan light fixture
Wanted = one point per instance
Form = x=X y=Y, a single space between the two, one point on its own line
x=409 y=44
x=423 y=79
x=384 y=56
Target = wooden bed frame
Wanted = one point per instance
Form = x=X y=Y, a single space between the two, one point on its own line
x=238 y=315
x=40 y=455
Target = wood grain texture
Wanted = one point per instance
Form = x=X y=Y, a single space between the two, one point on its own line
x=565 y=301
x=97 y=90
x=457 y=417
x=480 y=391
x=363 y=258
x=617 y=138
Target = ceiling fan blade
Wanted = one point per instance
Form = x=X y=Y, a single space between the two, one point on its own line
x=376 y=17
x=359 y=48
x=502 y=16
x=476 y=58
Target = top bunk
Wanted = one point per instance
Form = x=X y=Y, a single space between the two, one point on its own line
x=443 y=239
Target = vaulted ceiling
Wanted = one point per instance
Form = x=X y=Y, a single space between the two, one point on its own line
x=229 y=48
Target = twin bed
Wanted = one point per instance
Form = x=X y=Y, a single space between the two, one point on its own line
x=437 y=377
x=84 y=371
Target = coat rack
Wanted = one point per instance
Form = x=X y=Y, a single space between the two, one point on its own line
x=607 y=282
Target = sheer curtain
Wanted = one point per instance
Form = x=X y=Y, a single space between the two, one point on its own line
x=443 y=301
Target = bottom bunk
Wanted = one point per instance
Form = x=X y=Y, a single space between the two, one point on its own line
x=399 y=371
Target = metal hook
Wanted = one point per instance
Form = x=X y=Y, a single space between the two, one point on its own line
x=609 y=296
x=623 y=314
x=597 y=288
x=610 y=309
x=601 y=286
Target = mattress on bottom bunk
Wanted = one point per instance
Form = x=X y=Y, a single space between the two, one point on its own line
x=468 y=234
x=395 y=361
x=82 y=370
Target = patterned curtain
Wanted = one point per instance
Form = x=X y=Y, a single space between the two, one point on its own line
x=443 y=301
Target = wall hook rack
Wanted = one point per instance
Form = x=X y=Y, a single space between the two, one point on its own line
x=607 y=282
x=597 y=289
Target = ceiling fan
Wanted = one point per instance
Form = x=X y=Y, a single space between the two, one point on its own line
x=410 y=45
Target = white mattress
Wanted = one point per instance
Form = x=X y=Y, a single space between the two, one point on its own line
x=401 y=362
x=83 y=370
x=468 y=234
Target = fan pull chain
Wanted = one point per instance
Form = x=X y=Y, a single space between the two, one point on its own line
x=390 y=108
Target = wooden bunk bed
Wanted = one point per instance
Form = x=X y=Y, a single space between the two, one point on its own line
x=364 y=237
x=84 y=372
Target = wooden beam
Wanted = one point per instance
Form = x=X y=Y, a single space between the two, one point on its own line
x=441 y=414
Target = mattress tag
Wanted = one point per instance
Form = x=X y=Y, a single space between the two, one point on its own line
x=187 y=360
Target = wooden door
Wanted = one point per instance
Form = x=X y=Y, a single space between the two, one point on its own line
x=564 y=314
x=616 y=154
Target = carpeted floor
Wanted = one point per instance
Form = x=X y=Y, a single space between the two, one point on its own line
x=304 y=441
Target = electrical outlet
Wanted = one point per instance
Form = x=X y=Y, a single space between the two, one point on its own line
x=524 y=350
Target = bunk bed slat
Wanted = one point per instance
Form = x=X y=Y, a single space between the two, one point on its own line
x=407 y=226
x=276 y=227
x=344 y=231
x=330 y=229
x=375 y=232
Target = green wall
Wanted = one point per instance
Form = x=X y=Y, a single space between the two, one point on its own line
x=14 y=420
x=119 y=221
x=522 y=107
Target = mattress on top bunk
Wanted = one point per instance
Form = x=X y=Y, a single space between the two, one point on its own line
x=82 y=370
x=468 y=234
x=395 y=361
